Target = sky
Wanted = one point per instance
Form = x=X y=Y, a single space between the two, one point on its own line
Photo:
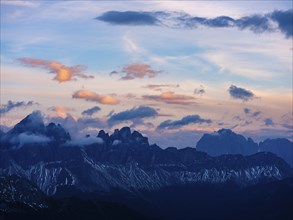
x=172 y=70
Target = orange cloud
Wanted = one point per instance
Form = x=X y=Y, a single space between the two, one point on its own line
x=60 y=111
x=63 y=73
x=94 y=97
x=159 y=87
x=137 y=70
x=171 y=98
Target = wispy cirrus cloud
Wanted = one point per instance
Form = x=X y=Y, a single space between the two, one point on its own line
x=159 y=87
x=62 y=73
x=91 y=111
x=136 y=70
x=190 y=119
x=171 y=98
x=258 y=23
x=13 y=105
x=94 y=97
x=240 y=93
x=136 y=113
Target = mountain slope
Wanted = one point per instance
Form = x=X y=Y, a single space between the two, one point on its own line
x=124 y=160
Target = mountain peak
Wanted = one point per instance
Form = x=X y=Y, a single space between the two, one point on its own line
x=57 y=132
x=225 y=131
x=33 y=123
x=225 y=141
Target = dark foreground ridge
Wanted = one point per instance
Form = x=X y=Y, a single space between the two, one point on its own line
x=124 y=168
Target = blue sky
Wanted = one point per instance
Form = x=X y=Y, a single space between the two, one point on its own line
x=146 y=63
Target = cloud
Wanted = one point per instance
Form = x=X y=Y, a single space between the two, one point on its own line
x=136 y=113
x=255 y=114
x=258 y=23
x=249 y=112
x=137 y=70
x=25 y=138
x=240 y=93
x=190 y=119
x=128 y=18
x=159 y=87
x=91 y=111
x=284 y=20
x=12 y=105
x=199 y=91
x=171 y=98
x=269 y=122
x=63 y=73
x=61 y=111
x=79 y=127
x=94 y=97
x=246 y=110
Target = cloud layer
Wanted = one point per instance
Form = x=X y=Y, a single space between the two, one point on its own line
x=258 y=23
x=190 y=119
x=12 y=105
x=171 y=98
x=94 y=97
x=62 y=73
x=240 y=93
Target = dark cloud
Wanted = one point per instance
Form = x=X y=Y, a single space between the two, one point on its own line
x=91 y=111
x=246 y=110
x=255 y=23
x=269 y=122
x=240 y=93
x=190 y=119
x=128 y=18
x=284 y=20
x=133 y=114
x=255 y=114
x=249 y=112
x=258 y=23
x=12 y=105
x=199 y=91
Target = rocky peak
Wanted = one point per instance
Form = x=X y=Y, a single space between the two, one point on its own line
x=103 y=135
x=32 y=123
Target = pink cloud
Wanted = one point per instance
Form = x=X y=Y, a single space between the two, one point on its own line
x=171 y=98
x=137 y=70
x=159 y=87
x=63 y=73
x=94 y=97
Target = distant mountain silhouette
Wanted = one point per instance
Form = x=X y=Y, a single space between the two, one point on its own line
x=226 y=141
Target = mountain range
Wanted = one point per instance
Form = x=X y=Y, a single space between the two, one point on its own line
x=124 y=164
